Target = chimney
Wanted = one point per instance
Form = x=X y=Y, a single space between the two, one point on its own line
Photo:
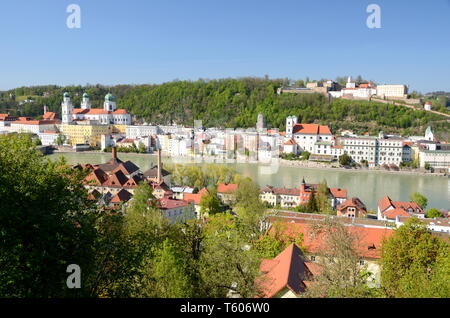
x=159 y=179
x=114 y=152
x=45 y=109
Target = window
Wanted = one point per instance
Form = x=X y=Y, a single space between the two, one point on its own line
x=362 y=262
x=312 y=258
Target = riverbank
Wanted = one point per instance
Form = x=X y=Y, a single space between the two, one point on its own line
x=304 y=164
x=368 y=185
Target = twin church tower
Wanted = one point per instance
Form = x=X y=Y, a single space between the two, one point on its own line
x=109 y=114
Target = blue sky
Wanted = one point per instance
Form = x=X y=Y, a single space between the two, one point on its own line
x=146 y=41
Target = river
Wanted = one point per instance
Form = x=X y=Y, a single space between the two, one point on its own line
x=369 y=186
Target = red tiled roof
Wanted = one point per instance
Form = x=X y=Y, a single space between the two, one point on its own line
x=195 y=197
x=392 y=214
x=287 y=269
x=49 y=115
x=121 y=196
x=338 y=192
x=226 y=188
x=407 y=205
x=96 y=177
x=384 y=203
x=290 y=142
x=368 y=241
x=120 y=111
x=352 y=202
x=311 y=129
x=97 y=111
x=116 y=179
x=166 y=203
x=34 y=122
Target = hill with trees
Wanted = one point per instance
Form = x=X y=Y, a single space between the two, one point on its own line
x=231 y=103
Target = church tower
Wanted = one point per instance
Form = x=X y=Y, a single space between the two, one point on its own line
x=290 y=122
x=110 y=103
x=67 y=109
x=85 y=103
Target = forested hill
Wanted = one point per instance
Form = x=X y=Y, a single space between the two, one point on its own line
x=231 y=103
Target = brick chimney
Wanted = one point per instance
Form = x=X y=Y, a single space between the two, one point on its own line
x=159 y=177
x=114 y=152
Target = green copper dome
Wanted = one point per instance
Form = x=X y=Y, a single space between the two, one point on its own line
x=66 y=94
x=110 y=97
x=86 y=95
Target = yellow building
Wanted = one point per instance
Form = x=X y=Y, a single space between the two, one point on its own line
x=85 y=134
x=119 y=129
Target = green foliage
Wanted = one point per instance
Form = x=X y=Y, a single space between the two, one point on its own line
x=236 y=103
x=201 y=176
x=249 y=208
x=46 y=223
x=433 y=213
x=418 y=198
x=305 y=155
x=210 y=203
x=273 y=243
x=227 y=261
x=311 y=205
x=415 y=263
x=345 y=160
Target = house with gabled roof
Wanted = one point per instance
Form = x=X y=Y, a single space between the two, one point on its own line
x=292 y=197
x=284 y=276
x=352 y=207
x=389 y=209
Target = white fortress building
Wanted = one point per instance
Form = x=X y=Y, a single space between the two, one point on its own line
x=109 y=114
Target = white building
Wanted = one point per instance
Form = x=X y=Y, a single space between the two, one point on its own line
x=134 y=132
x=48 y=138
x=33 y=126
x=392 y=91
x=427 y=106
x=307 y=135
x=375 y=150
x=438 y=159
x=109 y=114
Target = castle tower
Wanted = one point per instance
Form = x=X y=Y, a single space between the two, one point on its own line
x=290 y=122
x=260 y=125
x=350 y=83
x=85 y=103
x=67 y=109
x=110 y=103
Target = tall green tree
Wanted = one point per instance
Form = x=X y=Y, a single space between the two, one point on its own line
x=420 y=199
x=46 y=223
x=415 y=263
x=210 y=203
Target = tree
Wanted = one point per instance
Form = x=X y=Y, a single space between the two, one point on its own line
x=345 y=160
x=275 y=241
x=415 y=262
x=305 y=155
x=46 y=223
x=170 y=273
x=311 y=205
x=433 y=213
x=228 y=263
x=340 y=273
x=249 y=208
x=419 y=199
x=60 y=140
x=210 y=203
x=323 y=198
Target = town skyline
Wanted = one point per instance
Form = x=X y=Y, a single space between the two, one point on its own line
x=146 y=43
